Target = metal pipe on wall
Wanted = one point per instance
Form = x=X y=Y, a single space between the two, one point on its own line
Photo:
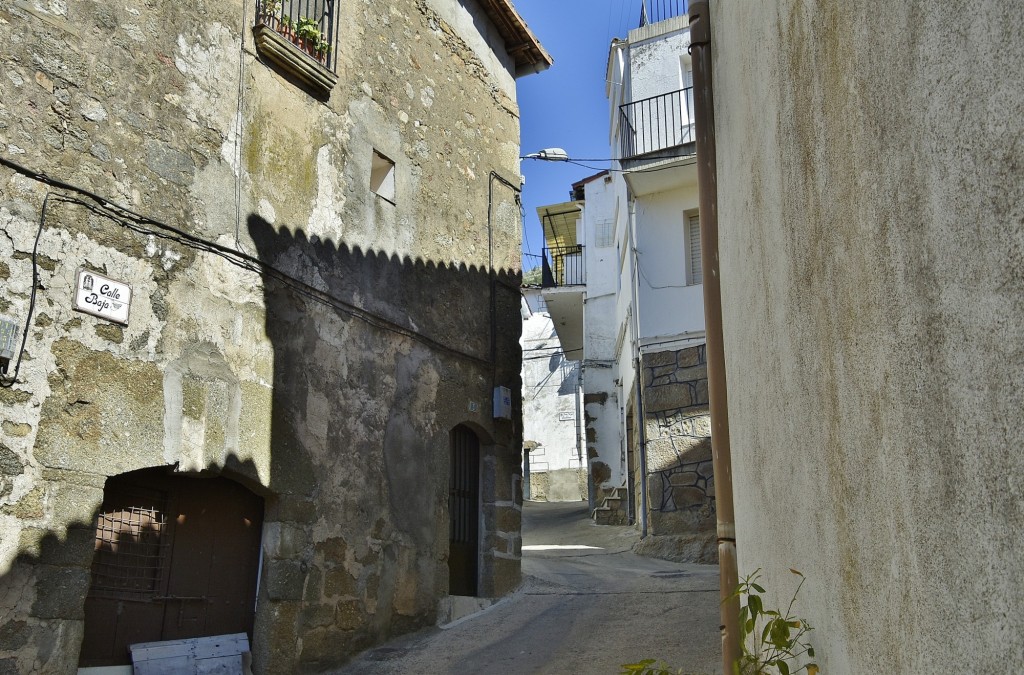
x=638 y=416
x=707 y=179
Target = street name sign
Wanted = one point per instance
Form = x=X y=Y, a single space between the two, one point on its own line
x=102 y=296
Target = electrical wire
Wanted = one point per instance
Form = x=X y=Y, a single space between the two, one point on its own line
x=598 y=159
x=239 y=112
x=5 y=383
x=653 y=286
x=654 y=170
x=548 y=356
x=138 y=223
x=580 y=162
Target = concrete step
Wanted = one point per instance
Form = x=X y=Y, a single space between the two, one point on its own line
x=454 y=607
x=612 y=510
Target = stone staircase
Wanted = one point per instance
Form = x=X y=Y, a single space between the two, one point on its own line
x=614 y=508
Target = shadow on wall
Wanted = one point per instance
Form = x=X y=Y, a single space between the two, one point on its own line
x=44 y=611
x=445 y=305
x=374 y=358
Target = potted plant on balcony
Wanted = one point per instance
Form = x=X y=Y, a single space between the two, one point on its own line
x=286 y=27
x=270 y=9
x=288 y=41
x=310 y=38
x=323 y=48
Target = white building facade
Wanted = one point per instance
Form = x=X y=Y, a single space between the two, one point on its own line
x=635 y=305
x=554 y=465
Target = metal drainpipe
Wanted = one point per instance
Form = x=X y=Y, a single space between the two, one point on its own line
x=579 y=413
x=700 y=49
x=641 y=447
x=638 y=420
x=494 y=176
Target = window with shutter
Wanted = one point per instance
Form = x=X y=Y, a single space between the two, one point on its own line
x=694 y=270
x=605 y=235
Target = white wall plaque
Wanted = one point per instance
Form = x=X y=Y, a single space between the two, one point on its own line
x=566 y=416
x=502 y=403
x=102 y=296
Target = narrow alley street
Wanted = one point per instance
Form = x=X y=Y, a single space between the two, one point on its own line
x=588 y=605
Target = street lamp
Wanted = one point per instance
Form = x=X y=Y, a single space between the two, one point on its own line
x=549 y=155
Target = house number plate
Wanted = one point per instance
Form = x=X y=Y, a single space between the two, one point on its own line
x=102 y=296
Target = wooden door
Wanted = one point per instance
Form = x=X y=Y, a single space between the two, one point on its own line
x=176 y=557
x=463 y=512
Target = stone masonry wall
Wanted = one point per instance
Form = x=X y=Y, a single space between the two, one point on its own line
x=677 y=428
x=289 y=329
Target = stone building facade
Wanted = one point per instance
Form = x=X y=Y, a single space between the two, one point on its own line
x=322 y=255
x=677 y=437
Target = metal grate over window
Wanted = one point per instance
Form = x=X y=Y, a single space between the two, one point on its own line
x=131 y=549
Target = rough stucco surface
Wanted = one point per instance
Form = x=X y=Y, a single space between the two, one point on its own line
x=872 y=246
x=337 y=413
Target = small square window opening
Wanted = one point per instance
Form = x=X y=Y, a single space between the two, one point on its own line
x=382 y=177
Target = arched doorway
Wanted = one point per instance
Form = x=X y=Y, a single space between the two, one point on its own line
x=175 y=557
x=464 y=512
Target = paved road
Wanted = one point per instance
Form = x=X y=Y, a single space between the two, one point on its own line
x=585 y=608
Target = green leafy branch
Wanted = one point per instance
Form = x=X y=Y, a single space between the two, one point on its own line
x=770 y=640
x=650 y=667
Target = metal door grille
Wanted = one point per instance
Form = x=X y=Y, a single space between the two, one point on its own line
x=463 y=512
x=131 y=547
x=464 y=486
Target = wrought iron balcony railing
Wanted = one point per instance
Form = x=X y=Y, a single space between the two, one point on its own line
x=653 y=11
x=307 y=24
x=656 y=123
x=563 y=266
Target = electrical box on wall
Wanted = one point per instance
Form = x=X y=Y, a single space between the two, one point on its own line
x=502 y=403
x=8 y=336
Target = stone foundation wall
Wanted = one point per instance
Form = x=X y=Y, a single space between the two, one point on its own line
x=680 y=480
x=560 y=485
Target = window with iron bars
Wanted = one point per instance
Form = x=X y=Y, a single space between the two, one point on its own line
x=307 y=24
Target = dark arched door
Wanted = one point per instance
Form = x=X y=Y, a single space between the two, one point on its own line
x=463 y=512
x=175 y=557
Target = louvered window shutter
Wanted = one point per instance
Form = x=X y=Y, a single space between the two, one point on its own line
x=696 y=275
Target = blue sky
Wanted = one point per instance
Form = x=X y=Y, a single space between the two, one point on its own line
x=566 y=106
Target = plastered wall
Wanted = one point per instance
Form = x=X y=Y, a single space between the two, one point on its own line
x=872 y=231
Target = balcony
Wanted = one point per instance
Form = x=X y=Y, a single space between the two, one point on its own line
x=563 y=266
x=657 y=142
x=564 y=283
x=657 y=124
x=653 y=11
x=298 y=36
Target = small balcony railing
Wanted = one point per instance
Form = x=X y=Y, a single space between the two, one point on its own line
x=307 y=24
x=656 y=123
x=563 y=266
x=653 y=11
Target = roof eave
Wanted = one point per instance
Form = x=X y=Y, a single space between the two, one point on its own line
x=521 y=44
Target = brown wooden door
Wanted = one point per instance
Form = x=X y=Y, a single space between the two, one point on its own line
x=176 y=557
x=463 y=512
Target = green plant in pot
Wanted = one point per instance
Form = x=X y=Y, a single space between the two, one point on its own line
x=308 y=29
x=323 y=47
x=270 y=8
